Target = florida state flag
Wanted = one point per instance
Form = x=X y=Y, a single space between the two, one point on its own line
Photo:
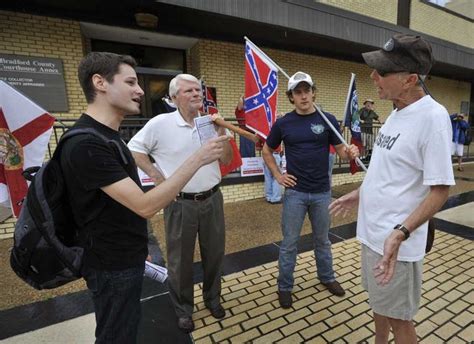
x=261 y=91
x=25 y=129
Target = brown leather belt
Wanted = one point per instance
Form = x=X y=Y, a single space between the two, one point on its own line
x=198 y=196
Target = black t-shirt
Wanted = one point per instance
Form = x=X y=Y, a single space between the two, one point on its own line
x=307 y=139
x=114 y=237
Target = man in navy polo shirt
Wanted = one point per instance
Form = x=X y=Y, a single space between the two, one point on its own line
x=306 y=137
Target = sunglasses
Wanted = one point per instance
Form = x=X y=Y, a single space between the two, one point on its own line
x=384 y=74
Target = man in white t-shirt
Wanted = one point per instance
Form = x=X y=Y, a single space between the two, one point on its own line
x=198 y=209
x=406 y=184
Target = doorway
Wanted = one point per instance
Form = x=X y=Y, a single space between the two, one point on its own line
x=156 y=67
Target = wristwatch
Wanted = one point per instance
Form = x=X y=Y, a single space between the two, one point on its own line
x=404 y=230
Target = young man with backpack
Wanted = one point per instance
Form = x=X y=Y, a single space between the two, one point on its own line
x=108 y=205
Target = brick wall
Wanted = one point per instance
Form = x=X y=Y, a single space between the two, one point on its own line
x=345 y=178
x=385 y=10
x=31 y=35
x=438 y=23
x=449 y=92
x=222 y=65
x=423 y=18
x=241 y=192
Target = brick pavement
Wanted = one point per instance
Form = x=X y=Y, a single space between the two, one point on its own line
x=254 y=315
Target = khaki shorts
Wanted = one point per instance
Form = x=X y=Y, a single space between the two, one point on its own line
x=400 y=298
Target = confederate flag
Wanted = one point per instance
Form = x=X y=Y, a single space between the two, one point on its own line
x=261 y=91
x=209 y=99
x=25 y=129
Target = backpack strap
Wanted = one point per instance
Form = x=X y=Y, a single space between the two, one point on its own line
x=89 y=131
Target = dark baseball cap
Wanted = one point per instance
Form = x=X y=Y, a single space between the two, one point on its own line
x=402 y=53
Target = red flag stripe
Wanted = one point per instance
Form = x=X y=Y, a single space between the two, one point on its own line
x=236 y=161
x=353 y=166
x=3 y=180
x=33 y=129
x=3 y=121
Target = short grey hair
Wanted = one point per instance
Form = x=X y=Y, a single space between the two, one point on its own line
x=173 y=88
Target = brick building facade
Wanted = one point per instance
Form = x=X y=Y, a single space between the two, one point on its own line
x=221 y=62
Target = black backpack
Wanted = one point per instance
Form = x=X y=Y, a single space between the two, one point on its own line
x=45 y=253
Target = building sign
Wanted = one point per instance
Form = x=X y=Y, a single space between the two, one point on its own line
x=39 y=78
x=251 y=167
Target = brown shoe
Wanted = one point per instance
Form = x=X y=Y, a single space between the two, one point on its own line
x=217 y=312
x=335 y=288
x=284 y=297
x=186 y=324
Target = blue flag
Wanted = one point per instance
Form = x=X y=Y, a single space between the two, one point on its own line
x=352 y=120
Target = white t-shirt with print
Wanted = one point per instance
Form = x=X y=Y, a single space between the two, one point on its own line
x=411 y=152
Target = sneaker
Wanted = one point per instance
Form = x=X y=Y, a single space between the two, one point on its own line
x=217 y=312
x=285 y=299
x=335 y=288
x=186 y=324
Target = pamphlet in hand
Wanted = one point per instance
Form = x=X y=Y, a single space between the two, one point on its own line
x=156 y=272
x=205 y=128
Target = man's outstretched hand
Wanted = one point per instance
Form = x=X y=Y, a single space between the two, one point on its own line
x=344 y=204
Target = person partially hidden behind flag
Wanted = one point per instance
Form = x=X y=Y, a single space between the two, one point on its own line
x=306 y=137
x=248 y=142
x=247 y=145
x=406 y=184
x=198 y=209
x=108 y=205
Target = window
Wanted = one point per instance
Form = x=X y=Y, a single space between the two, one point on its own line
x=460 y=8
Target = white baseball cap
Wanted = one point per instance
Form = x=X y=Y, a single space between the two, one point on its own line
x=297 y=78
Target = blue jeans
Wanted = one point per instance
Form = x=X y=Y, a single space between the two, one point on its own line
x=295 y=206
x=116 y=296
x=332 y=158
x=272 y=188
x=247 y=148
